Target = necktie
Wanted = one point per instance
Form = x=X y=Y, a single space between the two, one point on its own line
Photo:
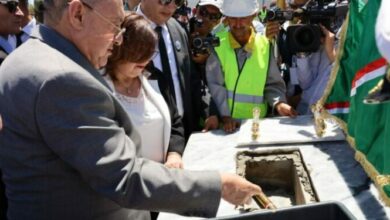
x=19 y=38
x=166 y=69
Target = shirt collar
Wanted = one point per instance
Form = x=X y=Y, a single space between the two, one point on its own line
x=5 y=45
x=248 y=47
x=30 y=26
x=152 y=24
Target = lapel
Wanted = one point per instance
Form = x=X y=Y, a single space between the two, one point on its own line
x=159 y=102
x=179 y=47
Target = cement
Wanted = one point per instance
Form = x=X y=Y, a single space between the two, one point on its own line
x=281 y=174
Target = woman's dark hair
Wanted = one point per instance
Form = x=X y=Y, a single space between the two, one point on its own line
x=139 y=43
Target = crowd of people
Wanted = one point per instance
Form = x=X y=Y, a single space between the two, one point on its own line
x=98 y=101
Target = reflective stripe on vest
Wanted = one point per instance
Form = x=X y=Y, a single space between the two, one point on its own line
x=245 y=98
x=245 y=88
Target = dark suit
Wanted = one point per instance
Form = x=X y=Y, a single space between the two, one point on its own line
x=68 y=149
x=190 y=85
x=3 y=54
x=3 y=199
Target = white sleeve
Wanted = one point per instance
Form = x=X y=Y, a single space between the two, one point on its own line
x=382 y=32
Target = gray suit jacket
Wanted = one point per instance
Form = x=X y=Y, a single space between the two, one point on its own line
x=68 y=150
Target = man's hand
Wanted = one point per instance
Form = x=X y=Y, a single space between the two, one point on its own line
x=285 y=109
x=174 y=160
x=210 y=123
x=272 y=29
x=329 y=43
x=237 y=190
x=200 y=58
x=229 y=124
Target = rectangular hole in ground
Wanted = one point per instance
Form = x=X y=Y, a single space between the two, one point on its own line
x=282 y=177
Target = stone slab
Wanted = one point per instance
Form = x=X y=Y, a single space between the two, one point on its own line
x=331 y=164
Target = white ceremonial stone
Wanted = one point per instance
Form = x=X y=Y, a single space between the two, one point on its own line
x=286 y=130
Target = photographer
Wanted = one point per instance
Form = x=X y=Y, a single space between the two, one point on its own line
x=182 y=15
x=207 y=16
x=308 y=71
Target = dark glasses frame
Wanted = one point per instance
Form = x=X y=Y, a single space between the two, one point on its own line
x=12 y=6
x=211 y=16
x=178 y=3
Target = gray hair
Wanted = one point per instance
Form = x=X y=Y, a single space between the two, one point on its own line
x=54 y=9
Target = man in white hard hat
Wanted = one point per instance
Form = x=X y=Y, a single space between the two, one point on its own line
x=242 y=73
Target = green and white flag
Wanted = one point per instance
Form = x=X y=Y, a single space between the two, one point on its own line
x=359 y=67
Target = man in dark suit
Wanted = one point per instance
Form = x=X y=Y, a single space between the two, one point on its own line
x=178 y=81
x=10 y=23
x=67 y=147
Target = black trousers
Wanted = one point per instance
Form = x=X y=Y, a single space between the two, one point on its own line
x=3 y=200
x=153 y=215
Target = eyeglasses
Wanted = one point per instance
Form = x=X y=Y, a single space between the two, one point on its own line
x=211 y=16
x=119 y=31
x=178 y=3
x=12 y=6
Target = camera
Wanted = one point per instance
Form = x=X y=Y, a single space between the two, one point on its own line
x=183 y=11
x=201 y=45
x=306 y=37
x=303 y=38
x=275 y=14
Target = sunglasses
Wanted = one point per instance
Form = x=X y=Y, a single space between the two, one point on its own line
x=211 y=16
x=178 y=3
x=11 y=6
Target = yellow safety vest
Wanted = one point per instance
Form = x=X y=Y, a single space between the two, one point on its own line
x=245 y=87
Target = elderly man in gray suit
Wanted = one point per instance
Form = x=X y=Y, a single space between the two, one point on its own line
x=67 y=147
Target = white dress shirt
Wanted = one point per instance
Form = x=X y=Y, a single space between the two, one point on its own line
x=5 y=44
x=27 y=30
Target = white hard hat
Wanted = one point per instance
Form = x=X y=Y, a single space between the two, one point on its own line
x=216 y=3
x=239 y=8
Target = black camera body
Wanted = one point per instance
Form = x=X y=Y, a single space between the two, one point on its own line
x=201 y=45
x=303 y=38
x=306 y=37
x=275 y=14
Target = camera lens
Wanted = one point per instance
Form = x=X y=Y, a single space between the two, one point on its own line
x=197 y=42
x=305 y=36
x=270 y=15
